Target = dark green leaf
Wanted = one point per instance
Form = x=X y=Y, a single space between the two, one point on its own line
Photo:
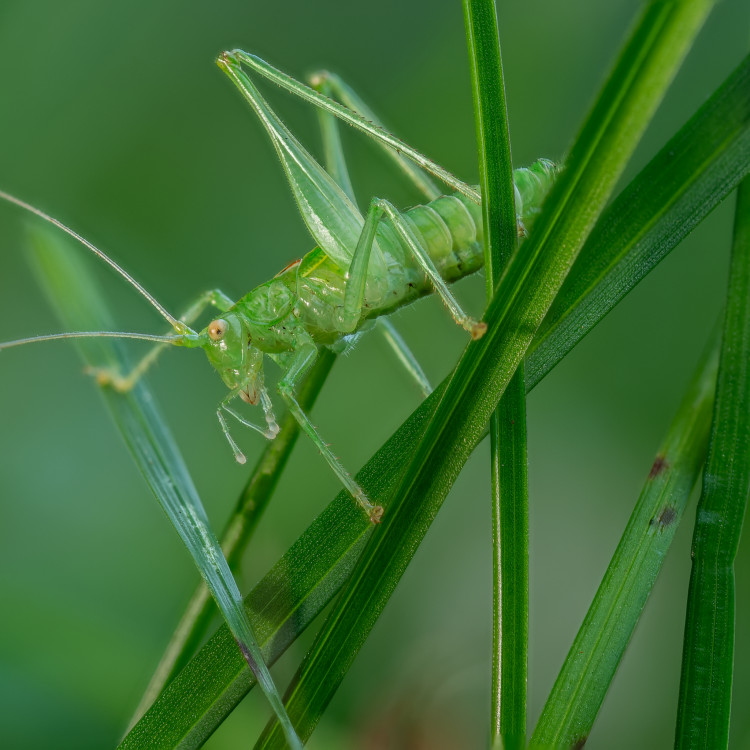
x=508 y=423
x=630 y=96
x=585 y=676
x=687 y=179
x=708 y=650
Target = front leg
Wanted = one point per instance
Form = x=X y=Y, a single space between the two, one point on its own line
x=270 y=431
x=302 y=360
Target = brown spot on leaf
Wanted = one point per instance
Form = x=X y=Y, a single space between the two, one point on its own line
x=578 y=743
x=667 y=516
x=660 y=465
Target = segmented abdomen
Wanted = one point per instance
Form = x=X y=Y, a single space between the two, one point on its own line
x=451 y=230
x=532 y=185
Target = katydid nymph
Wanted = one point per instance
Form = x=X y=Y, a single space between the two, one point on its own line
x=363 y=268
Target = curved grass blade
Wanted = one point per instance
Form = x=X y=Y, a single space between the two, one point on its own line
x=590 y=665
x=679 y=187
x=510 y=581
x=253 y=500
x=708 y=649
x=635 y=87
x=79 y=304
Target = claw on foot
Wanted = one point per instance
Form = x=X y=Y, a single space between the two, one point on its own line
x=273 y=429
x=374 y=512
x=107 y=377
x=478 y=330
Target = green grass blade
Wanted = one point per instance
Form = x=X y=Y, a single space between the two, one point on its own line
x=708 y=649
x=493 y=139
x=510 y=594
x=584 y=678
x=280 y=607
x=68 y=283
x=253 y=500
x=508 y=423
x=681 y=185
x=630 y=96
x=211 y=700
x=214 y=693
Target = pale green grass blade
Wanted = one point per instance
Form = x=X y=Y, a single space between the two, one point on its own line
x=708 y=649
x=584 y=678
x=681 y=185
x=510 y=588
x=646 y=66
x=253 y=500
x=281 y=606
x=79 y=304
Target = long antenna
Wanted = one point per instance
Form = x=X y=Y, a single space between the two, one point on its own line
x=180 y=339
x=178 y=325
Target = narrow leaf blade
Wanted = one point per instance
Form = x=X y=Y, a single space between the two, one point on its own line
x=590 y=665
x=634 y=89
x=68 y=283
x=508 y=423
x=708 y=649
x=679 y=187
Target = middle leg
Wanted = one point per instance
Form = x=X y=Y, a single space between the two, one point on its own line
x=405 y=355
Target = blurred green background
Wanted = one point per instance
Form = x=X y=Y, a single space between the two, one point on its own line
x=115 y=119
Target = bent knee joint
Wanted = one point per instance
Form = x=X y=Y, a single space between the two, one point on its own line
x=286 y=389
x=347 y=322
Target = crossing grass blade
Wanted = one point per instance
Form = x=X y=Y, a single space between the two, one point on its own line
x=280 y=607
x=718 y=172
x=681 y=185
x=584 y=678
x=235 y=538
x=641 y=75
x=708 y=648
x=510 y=589
x=79 y=304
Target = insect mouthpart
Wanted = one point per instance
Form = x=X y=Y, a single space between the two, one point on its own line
x=250 y=396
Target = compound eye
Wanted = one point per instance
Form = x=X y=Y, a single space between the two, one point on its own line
x=217 y=329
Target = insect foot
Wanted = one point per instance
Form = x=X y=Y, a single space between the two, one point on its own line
x=107 y=377
x=478 y=330
x=376 y=513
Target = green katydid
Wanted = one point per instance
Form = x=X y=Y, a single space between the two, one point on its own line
x=362 y=267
